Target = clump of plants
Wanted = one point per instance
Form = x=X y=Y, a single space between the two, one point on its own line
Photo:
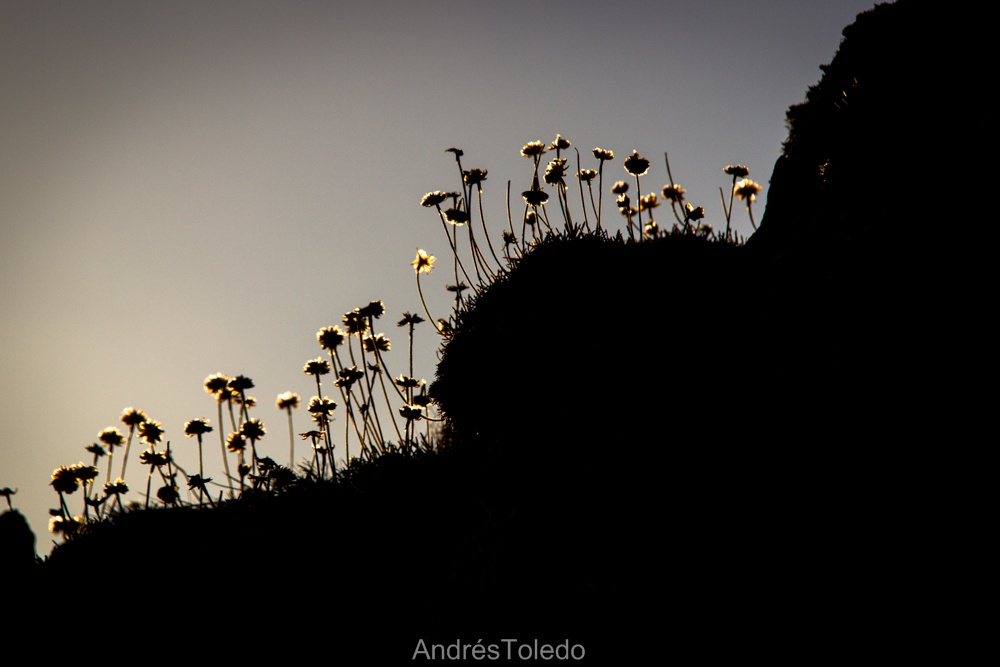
x=384 y=410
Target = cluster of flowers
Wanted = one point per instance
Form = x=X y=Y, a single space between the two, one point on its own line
x=454 y=209
x=360 y=381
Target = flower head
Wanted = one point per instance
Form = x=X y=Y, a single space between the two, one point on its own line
x=619 y=188
x=424 y=262
x=117 y=487
x=603 y=155
x=648 y=202
x=348 y=376
x=253 y=429
x=150 y=431
x=559 y=143
x=197 y=427
x=355 y=322
x=533 y=149
x=374 y=309
x=377 y=342
x=323 y=405
x=587 y=175
x=287 y=401
x=555 y=171
x=409 y=318
x=635 y=165
x=111 y=437
x=406 y=382
x=746 y=189
x=411 y=412
x=474 y=176
x=168 y=494
x=695 y=212
x=535 y=196
x=674 y=193
x=737 y=170
x=433 y=198
x=456 y=216
x=235 y=442
x=457 y=151
x=96 y=450
x=152 y=457
x=132 y=417
x=65 y=526
x=216 y=384
x=330 y=338
x=316 y=367
x=240 y=383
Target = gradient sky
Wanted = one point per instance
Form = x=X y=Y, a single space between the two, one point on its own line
x=196 y=186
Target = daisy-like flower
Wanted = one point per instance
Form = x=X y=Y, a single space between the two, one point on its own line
x=560 y=143
x=737 y=170
x=406 y=382
x=235 y=442
x=555 y=171
x=377 y=342
x=457 y=151
x=316 y=366
x=132 y=417
x=287 y=401
x=240 y=383
x=216 y=384
x=533 y=149
x=424 y=262
x=619 y=188
x=111 y=437
x=674 y=193
x=530 y=218
x=150 y=431
x=435 y=198
x=648 y=202
x=422 y=400
x=636 y=165
x=474 y=176
x=456 y=216
x=323 y=405
x=651 y=229
x=746 y=190
x=603 y=155
x=587 y=175
x=152 y=457
x=348 y=376
x=197 y=427
x=535 y=196
x=253 y=429
x=508 y=238
x=695 y=212
x=64 y=480
x=330 y=338
x=85 y=473
x=374 y=309
x=411 y=412
x=118 y=487
x=355 y=322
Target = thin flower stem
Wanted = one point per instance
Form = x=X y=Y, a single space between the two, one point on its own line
x=486 y=233
x=291 y=439
x=225 y=455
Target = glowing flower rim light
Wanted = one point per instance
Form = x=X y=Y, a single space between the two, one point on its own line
x=424 y=263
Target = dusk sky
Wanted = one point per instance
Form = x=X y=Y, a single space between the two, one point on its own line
x=198 y=186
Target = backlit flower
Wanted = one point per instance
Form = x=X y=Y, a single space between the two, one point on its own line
x=97 y=450
x=433 y=198
x=411 y=412
x=374 y=309
x=555 y=171
x=330 y=338
x=406 y=382
x=474 y=176
x=535 y=196
x=457 y=151
x=152 y=457
x=695 y=212
x=603 y=155
x=150 y=431
x=409 y=318
x=197 y=427
x=737 y=170
x=635 y=165
x=746 y=189
x=287 y=401
x=355 y=322
x=253 y=429
x=216 y=383
x=235 y=442
x=111 y=437
x=168 y=494
x=674 y=193
x=64 y=480
x=377 y=342
x=424 y=262
x=118 y=487
x=648 y=202
x=323 y=405
x=587 y=175
x=533 y=149
x=316 y=367
x=132 y=417
x=240 y=383
x=456 y=216
x=619 y=188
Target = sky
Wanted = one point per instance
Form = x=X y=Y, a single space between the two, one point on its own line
x=198 y=186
